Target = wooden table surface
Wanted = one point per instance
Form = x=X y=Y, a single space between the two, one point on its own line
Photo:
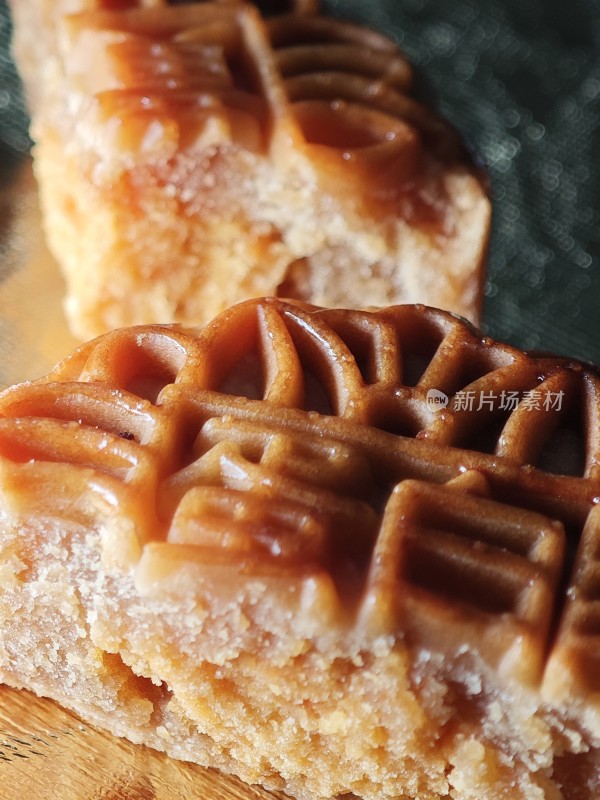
x=47 y=753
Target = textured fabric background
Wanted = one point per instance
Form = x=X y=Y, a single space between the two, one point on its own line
x=521 y=80
x=14 y=141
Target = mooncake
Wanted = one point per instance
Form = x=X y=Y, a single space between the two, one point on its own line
x=337 y=553
x=191 y=156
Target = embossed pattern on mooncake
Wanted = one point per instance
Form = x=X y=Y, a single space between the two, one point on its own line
x=200 y=154
x=302 y=444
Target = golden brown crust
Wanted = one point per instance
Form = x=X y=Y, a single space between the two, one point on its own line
x=277 y=513
x=37 y=22
x=200 y=154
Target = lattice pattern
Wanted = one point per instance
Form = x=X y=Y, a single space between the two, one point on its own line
x=39 y=21
x=216 y=152
x=300 y=445
x=576 y=653
x=217 y=72
x=461 y=570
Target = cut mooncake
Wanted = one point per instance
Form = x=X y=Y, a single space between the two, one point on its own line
x=333 y=552
x=195 y=155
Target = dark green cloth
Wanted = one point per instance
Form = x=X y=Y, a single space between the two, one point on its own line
x=521 y=80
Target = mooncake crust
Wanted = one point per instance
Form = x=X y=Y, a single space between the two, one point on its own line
x=270 y=546
x=193 y=156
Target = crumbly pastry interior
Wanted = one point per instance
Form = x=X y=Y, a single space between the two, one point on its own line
x=258 y=546
x=195 y=155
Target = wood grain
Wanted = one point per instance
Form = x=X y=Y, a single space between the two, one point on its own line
x=47 y=753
